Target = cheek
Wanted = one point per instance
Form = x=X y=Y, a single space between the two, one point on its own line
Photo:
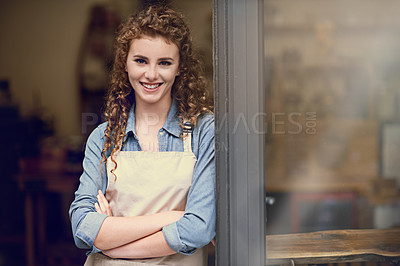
x=172 y=78
x=133 y=79
x=171 y=75
x=168 y=77
x=133 y=73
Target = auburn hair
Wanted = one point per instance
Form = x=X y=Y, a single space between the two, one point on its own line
x=189 y=88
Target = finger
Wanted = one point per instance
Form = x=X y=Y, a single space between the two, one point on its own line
x=101 y=205
x=96 y=206
x=108 y=208
x=104 y=201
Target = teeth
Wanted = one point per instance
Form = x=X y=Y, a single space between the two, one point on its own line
x=148 y=86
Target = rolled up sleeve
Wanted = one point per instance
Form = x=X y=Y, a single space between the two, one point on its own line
x=173 y=239
x=197 y=227
x=88 y=229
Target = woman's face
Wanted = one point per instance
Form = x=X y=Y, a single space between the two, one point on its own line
x=152 y=65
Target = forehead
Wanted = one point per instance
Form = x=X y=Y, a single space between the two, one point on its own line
x=153 y=45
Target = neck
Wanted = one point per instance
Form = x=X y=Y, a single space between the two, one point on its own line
x=152 y=114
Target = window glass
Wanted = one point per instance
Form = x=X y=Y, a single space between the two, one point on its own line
x=333 y=108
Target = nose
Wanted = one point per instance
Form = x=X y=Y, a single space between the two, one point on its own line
x=151 y=72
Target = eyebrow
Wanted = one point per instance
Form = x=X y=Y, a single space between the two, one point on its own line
x=160 y=59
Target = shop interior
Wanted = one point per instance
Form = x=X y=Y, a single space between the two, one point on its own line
x=332 y=108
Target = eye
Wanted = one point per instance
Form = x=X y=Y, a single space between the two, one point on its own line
x=165 y=63
x=140 y=61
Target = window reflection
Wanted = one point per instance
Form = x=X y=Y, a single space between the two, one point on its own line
x=332 y=99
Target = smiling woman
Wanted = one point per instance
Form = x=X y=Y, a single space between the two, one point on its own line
x=147 y=191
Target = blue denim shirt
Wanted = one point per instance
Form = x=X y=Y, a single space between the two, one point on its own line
x=196 y=228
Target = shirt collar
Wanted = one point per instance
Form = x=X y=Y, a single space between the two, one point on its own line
x=171 y=125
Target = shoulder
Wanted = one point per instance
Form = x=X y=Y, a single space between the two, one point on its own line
x=205 y=120
x=205 y=125
x=97 y=135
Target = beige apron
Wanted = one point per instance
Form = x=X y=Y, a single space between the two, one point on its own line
x=147 y=183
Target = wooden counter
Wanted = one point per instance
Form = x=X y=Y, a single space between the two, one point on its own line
x=334 y=246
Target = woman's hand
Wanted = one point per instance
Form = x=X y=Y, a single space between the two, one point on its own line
x=102 y=205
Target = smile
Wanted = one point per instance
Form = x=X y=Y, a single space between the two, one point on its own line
x=151 y=86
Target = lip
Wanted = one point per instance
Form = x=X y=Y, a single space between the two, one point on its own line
x=151 y=90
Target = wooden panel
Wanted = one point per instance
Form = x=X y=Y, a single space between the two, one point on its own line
x=335 y=246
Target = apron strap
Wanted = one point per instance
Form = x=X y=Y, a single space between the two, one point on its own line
x=187 y=136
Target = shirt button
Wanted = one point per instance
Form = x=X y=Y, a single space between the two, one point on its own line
x=161 y=133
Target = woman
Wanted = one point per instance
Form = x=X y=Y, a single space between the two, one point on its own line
x=146 y=195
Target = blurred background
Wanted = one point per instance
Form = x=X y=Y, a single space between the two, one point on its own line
x=55 y=58
x=332 y=91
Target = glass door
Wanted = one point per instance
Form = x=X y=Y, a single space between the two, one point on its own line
x=332 y=97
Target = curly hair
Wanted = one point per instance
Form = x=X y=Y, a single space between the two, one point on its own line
x=189 y=88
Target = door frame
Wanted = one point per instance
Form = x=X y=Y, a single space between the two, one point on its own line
x=240 y=135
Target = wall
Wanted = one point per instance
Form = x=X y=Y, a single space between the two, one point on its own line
x=40 y=42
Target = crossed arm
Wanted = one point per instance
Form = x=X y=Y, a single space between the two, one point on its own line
x=117 y=240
